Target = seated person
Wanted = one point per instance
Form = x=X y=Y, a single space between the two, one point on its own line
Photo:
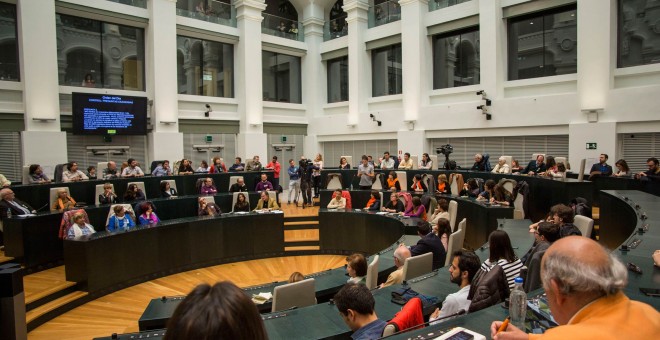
x=72 y=174
x=4 y=182
x=396 y=277
x=162 y=169
x=416 y=210
x=356 y=307
x=622 y=169
x=134 y=193
x=418 y=185
x=8 y=202
x=254 y=164
x=111 y=171
x=443 y=185
x=406 y=163
x=207 y=187
x=464 y=266
x=241 y=203
x=501 y=167
x=91 y=172
x=442 y=211
x=356 y=267
x=558 y=172
x=266 y=203
x=63 y=201
x=387 y=162
x=534 y=166
x=203 y=168
x=550 y=165
x=426 y=163
x=563 y=216
x=479 y=164
x=207 y=209
x=239 y=186
x=601 y=168
x=501 y=252
x=148 y=215
x=185 y=168
x=343 y=164
x=79 y=227
x=132 y=170
x=515 y=167
x=653 y=173
x=501 y=196
x=489 y=191
x=429 y=243
x=296 y=277
x=470 y=188
x=218 y=166
x=443 y=230
x=394 y=205
x=264 y=184
x=120 y=220
x=337 y=201
x=166 y=190
x=544 y=236
x=374 y=201
x=392 y=182
x=108 y=196
x=237 y=166
x=37 y=175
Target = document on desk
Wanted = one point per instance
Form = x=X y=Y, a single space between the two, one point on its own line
x=261 y=298
x=460 y=333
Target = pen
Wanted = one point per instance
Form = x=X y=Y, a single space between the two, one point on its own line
x=504 y=325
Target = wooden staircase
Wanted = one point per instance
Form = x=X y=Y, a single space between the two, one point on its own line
x=301 y=233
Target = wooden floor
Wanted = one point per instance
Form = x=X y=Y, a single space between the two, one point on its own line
x=44 y=283
x=4 y=258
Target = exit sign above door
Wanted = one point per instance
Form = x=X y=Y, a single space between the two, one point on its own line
x=592 y=146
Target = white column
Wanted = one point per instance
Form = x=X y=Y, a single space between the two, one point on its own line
x=594 y=51
x=42 y=141
x=415 y=51
x=602 y=133
x=492 y=43
x=413 y=142
x=313 y=83
x=359 y=80
x=165 y=141
x=251 y=139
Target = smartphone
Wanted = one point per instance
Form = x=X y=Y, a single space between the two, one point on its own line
x=462 y=335
x=650 y=291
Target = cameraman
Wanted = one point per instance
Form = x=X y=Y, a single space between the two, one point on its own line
x=306 y=170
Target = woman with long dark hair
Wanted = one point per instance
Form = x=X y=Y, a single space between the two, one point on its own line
x=501 y=252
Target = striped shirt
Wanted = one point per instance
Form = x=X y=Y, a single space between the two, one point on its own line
x=511 y=269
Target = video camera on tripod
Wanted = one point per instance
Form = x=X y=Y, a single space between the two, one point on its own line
x=446 y=150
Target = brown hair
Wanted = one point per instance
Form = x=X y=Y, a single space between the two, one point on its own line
x=295 y=277
x=359 y=263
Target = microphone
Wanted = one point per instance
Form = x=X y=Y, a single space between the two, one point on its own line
x=45 y=205
x=460 y=312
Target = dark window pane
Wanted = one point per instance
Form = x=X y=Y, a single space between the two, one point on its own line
x=456 y=59
x=205 y=68
x=338 y=80
x=386 y=71
x=281 y=78
x=637 y=37
x=9 y=70
x=543 y=44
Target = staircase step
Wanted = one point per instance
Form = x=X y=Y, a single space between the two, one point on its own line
x=301 y=235
x=301 y=248
x=53 y=305
x=297 y=225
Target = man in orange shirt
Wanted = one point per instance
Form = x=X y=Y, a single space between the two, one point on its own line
x=585 y=297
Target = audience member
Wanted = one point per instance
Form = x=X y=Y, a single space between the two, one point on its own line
x=337 y=201
x=356 y=267
x=622 y=168
x=185 y=168
x=653 y=173
x=374 y=201
x=515 y=166
x=108 y=196
x=501 y=167
x=276 y=167
x=443 y=230
x=544 y=236
x=470 y=188
x=162 y=169
x=296 y=277
x=79 y=227
x=343 y=164
x=426 y=163
x=388 y=162
x=72 y=174
x=563 y=215
x=206 y=208
x=601 y=168
x=392 y=182
x=266 y=203
x=479 y=164
x=63 y=201
x=91 y=172
x=558 y=172
x=148 y=215
x=110 y=172
x=370 y=160
x=134 y=193
x=294 y=181
x=502 y=254
x=534 y=166
x=124 y=165
x=37 y=175
x=9 y=202
x=237 y=166
x=264 y=184
x=443 y=185
x=366 y=173
x=489 y=191
x=316 y=174
x=120 y=221
x=4 y=182
x=239 y=186
x=356 y=307
x=550 y=166
x=464 y=266
x=416 y=210
x=406 y=163
x=429 y=243
x=585 y=295
x=418 y=185
x=501 y=196
x=166 y=190
x=241 y=203
x=203 y=168
x=223 y=311
x=207 y=187
x=442 y=211
x=396 y=277
x=254 y=164
x=218 y=166
x=394 y=205
x=133 y=170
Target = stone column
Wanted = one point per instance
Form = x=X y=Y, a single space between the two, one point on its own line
x=359 y=90
x=415 y=49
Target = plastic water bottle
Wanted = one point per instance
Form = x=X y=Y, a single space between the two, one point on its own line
x=518 y=304
x=8 y=212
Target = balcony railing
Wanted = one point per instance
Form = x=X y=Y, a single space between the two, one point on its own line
x=282 y=27
x=334 y=29
x=438 y=4
x=384 y=13
x=136 y=3
x=216 y=12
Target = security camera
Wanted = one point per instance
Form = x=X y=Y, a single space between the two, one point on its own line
x=480 y=107
x=208 y=110
x=371 y=115
x=208 y=106
x=480 y=92
x=488 y=102
x=379 y=123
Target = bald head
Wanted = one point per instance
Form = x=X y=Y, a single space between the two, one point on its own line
x=7 y=194
x=401 y=254
x=577 y=247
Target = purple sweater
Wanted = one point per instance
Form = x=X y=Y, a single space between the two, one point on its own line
x=208 y=190
x=261 y=186
x=412 y=213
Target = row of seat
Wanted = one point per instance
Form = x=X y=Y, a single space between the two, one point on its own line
x=436 y=165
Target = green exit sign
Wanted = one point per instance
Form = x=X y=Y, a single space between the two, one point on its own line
x=283 y=139
x=209 y=139
x=592 y=146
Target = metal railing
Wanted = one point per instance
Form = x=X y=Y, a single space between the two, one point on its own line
x=136 y=3
x=282 y=27
x=334 y=29
x=438 y=4
x=384 y=13
x=216 y=12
